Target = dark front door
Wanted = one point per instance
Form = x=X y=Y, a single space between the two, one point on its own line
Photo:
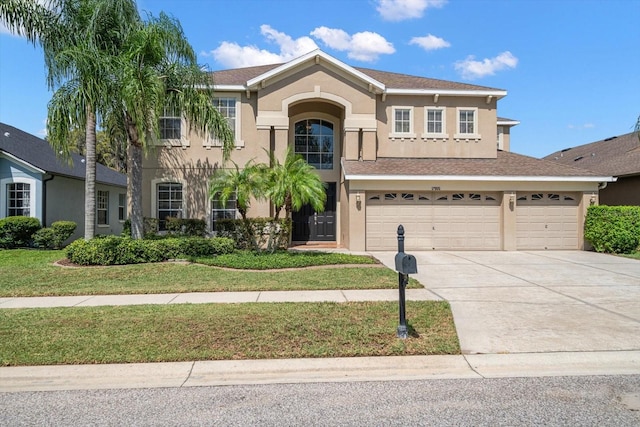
x=309 y=225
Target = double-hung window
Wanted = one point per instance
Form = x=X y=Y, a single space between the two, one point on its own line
x=122 y=207
x=229 y=109
x=435 y=122
x=170 y=124
x=467 y=123
x=221 y=210
x=102 y=207
x=169 y=201
x=402 y=122
x=18 y=199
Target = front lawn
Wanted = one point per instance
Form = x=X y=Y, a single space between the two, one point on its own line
x=33 y=273
x=185 y=332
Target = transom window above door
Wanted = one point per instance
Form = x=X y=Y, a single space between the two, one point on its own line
x=314 y=141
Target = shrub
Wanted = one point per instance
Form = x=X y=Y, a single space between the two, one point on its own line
x=149 y=228
x=191 y=227
x=613 y=229
x=54 y=237
x=16 y=231
x=114 y=250
x=257 y=234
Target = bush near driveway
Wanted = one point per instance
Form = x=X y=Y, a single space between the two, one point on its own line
x=613 y=229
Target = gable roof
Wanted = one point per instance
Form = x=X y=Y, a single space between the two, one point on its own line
x=37 y=153
x=507 y=166
x=384 y=82
x=618 y=155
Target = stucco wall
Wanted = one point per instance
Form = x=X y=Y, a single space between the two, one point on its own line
x=625 y=191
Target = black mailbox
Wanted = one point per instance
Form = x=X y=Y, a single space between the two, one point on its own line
x=406 y=264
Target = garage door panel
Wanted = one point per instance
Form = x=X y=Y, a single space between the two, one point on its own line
x=547 y=221
x=441 y=222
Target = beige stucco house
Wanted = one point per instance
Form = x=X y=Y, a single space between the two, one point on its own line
x=394 y=149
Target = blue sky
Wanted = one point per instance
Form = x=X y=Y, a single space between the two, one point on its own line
x=571 y=68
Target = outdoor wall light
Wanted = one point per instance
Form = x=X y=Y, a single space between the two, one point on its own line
x=512 y=198
x=358 y=197
x=592 y=200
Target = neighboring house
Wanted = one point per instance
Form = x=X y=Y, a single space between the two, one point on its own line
x=618 y=156
x=392 y=149
x=36 y=183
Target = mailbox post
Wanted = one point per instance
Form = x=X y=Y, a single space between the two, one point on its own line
x=405 y=265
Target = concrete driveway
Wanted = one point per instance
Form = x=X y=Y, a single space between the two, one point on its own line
x=527 y=302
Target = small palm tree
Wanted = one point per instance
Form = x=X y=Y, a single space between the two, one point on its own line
x=293 y=184
x=244 y=184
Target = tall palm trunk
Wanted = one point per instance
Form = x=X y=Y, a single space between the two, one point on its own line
x=134 y=179
x=90 y=176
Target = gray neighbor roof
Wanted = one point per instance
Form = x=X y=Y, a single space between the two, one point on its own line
x=38 y=153
x=617 y=156
x=506 y=164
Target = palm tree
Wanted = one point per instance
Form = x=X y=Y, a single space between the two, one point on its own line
x=79 y=39
x=244 y=184
x=293 y=184
x=157 y=68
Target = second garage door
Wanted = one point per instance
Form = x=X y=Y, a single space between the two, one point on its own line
x=547 y=221
x=434 y=221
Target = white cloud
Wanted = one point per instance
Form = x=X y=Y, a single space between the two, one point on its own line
x=430 y=42
x=399 y=10
x=364 y=46
x=471 y=69
x=232 y=55
x=584 y=126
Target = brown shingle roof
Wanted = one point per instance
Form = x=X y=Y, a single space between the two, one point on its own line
x=240 y=76
x=506 y=164
x=617 y=156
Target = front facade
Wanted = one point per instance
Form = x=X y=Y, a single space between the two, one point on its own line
x=392 y=149
x=35 y=183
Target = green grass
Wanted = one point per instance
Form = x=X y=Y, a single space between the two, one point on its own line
x=32 y=273
x=279 y=260
x=184 y=332
x=635 y=255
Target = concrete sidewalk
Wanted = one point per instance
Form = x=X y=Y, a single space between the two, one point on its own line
x=218 y=298
x=287 y=371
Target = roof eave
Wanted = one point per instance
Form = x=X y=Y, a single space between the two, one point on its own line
x=505 y=178
x=448 y=92
x=23 y=162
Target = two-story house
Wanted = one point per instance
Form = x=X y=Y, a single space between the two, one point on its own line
x=393 y=149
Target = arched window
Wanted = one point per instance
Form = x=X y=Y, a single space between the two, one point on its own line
x=313 y=140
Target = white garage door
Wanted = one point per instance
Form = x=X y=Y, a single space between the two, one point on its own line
x=547 y=221
x=433 y=221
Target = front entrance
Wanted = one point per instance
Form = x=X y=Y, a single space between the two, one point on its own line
x=309 y=225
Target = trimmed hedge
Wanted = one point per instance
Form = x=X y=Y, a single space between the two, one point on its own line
x=16 y=231
x=613 y=229
x=186 y=227
x=54 y=237
x=114 y=250
x=257 y=234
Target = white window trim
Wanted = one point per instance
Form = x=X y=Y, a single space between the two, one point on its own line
x=476 y=124
x=435 y=135
x=182 y=142
x=154 y=194
x=209 y=141
x=500 y=138
x=407 y=135
x=108 y=209
x=209 y=216
x=33 y=201
x=122 y=206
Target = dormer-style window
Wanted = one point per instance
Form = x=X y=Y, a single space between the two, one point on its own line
x=402 y=126
x=467 y=125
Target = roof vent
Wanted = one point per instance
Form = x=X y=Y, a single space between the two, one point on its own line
x=610 y=138
x=566 y=149
x=578 y=158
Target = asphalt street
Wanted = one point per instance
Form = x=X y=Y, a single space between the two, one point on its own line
x=555 y=401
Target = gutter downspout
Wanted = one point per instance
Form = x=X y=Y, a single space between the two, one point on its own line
x=44 y=199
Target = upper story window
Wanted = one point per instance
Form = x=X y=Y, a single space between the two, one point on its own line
x=102 y=207
x=169 y=202
x=19 y=199
x=435 y=122
x=229 y=108
x=314 y=141
x=467 y=123
x=170 y=125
